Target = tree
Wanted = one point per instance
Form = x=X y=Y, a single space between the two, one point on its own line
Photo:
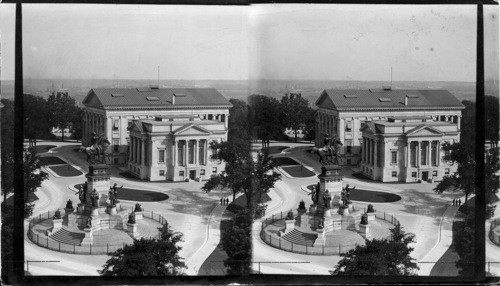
x=463 y=240
x=463 y=155
x=76 y=124
x=310 y=125
x=242 y=173
x=239 y=124
x=295 y=111
x=36 y=119
x=33 y=177
x=147 y=257
x=267 y=118
x=7 y=120
x=62 y=110
x=236 y=242
x=389 y=256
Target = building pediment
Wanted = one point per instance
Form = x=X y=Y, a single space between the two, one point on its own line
x=424 y=130
x=324 y=101
x=191 y=129
x=136 y=126
x=91 y=100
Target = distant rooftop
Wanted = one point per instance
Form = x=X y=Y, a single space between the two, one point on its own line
x=153 y=97
x=384 y=98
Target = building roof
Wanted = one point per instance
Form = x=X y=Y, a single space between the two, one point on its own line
x=353 y=99
x=112 y=98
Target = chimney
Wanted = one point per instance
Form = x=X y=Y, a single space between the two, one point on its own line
x=173 y=99
x=406 y=100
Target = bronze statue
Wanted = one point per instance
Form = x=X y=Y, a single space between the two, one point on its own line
x=95 y=199
x=89 y=222
x=327 y=198
x=364 y=219
x=81 y=194
x=330 y=150
x=314 y=195
x=97 y=148
x=115 y=191
x=131 y=218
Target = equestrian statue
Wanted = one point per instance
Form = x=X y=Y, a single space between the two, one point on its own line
x=329 y=153
x=97 y=149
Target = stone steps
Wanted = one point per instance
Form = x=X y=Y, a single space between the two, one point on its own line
x=302 y=238
x=67 y=237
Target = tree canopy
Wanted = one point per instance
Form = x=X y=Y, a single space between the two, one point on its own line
x=36 y=119
x=148 y=257
x=267 y=118
x=389 y=256
x=236 y=242
x=62 y=110
x=295 y=110
x=239 y=126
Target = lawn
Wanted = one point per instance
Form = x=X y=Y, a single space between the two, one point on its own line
x=275 y=149
x=65 y=170
x=138 y=195
x=285 y=161
x=370 y=196
x=43 y=148
x=51 y=161
x=298 y=171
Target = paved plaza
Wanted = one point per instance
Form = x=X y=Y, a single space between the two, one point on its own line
x=197 y=215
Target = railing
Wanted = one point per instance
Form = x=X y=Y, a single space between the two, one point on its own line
x=495 y=238
x=45 y=241
x=283 y=244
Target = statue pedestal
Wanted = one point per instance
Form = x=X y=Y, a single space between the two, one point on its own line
x=68 y=211
x=327 y=213
x=344 y=211
x=118 y=206
x=56 y=224
x=312 y=209
x=132 y=230
x=80 y=208
x=350 y=207
x=364 y=230
x=94 y=211
x=371 y=216
x=320 y=241
x=111 y=210
x=88 y=239
x=289 y=225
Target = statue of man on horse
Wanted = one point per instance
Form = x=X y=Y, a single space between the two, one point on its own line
x=329 y=153
x=96 y=149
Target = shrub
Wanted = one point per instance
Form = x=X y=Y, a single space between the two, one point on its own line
x=370 y=209
x=260 y=211
x=69 y=205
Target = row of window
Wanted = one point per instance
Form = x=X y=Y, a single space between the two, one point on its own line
x=394 y=174
x=182 y=172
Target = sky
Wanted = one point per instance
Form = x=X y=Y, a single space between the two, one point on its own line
x=267 y=41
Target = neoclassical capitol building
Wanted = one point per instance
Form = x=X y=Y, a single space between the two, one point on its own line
x=391 y=135
x=159 y=133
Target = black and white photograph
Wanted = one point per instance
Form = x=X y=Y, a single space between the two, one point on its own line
x=326 y=140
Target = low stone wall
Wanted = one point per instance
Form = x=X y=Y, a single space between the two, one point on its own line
x=283 y=244
x=46 y=242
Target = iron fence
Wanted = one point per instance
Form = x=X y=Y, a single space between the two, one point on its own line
x=283 y=244
x=44 y=241
x=494 y=237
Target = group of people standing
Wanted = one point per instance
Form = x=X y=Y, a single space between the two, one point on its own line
x=224 y=201
x=457 y=202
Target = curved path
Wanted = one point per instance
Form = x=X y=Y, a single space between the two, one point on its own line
x=188 y=210
x=420 y=211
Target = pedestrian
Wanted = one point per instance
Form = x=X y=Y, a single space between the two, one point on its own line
x=221 y=201
x=459 y=202
x=227 y=201
x=454 y=202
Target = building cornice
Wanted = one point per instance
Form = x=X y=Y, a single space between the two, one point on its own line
x=375 y=109
x=169 y=107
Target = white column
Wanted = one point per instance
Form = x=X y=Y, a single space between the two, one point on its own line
x=143 y=154
x=226 y=120
x=418 y=153
x=458 y=122
x=438 y=151
x=428 y=153
x=174 y=153
x=130 y=151
x=375 y=152
x=205 y=153
x=196 y=152
x=407 y=154
x=186 y=152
